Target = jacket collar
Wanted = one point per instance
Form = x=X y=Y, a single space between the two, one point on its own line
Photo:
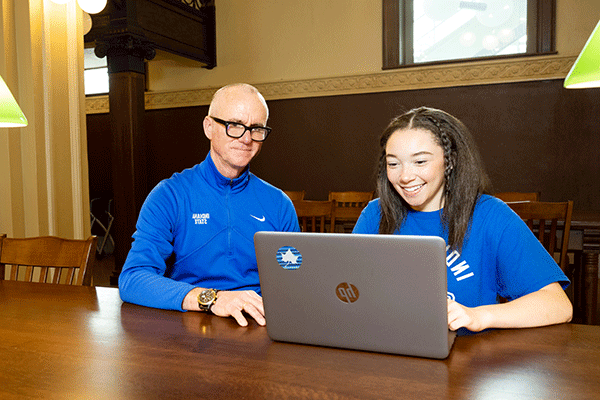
x=211 y=174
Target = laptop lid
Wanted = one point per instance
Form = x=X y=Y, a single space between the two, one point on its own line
x=382 y=293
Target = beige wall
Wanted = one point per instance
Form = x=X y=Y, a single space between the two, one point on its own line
x=43 y=167
x=311 y=48
x=575 y=21
x=271 y=40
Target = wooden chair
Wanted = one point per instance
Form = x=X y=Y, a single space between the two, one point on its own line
x=313 y=215
x=48 y=259
x=518 y=196
x=545 y=217
x=295 y=195
x=348 y=206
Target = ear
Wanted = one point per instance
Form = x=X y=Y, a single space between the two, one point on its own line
x=207 y=124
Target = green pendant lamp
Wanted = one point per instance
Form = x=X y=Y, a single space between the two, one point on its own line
x=11 y=115
x=585 y=73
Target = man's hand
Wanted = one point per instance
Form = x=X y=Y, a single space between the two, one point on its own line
x=231 y=304
x=234 y=303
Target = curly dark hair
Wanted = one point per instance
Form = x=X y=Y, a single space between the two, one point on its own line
x=464 y=176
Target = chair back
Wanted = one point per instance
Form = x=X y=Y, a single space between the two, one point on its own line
x=348 y=206
x=545 y=218
x=313 y=214
x=295 y=195
x=518 y=196
x=47 y=259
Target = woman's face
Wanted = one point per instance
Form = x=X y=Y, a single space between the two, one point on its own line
x=415 y=167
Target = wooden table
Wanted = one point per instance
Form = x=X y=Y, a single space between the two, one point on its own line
x=70 y=342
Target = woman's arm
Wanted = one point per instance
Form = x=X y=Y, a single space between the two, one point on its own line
x=547 y=306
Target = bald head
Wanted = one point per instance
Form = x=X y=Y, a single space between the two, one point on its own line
x=225 y=96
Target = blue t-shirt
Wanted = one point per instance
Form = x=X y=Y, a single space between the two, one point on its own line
x=196 y=229
x=500 y=255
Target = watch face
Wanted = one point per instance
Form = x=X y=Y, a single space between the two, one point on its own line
x=206 y=296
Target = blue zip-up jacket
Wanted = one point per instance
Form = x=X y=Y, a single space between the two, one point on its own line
x=196 y=229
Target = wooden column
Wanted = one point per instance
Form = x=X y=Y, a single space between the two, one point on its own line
x=126 y=55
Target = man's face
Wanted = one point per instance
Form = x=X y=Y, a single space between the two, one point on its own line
x=232 y=155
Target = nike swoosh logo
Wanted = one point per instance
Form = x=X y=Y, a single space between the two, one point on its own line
x=258 y=219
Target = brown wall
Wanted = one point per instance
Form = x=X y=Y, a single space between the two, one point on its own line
x=533 y=136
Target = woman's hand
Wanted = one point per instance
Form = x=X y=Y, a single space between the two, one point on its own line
x=460 y=316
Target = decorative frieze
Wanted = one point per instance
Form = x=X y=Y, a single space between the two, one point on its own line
x=447 y=75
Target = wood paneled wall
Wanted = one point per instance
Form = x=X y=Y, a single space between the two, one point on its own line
x=533 y=136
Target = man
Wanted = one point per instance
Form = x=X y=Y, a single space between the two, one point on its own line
x=193 y=247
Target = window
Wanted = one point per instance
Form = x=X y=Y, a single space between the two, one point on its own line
x=95 y=73
x=429 y=31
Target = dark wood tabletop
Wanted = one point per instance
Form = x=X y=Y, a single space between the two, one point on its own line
x=75 y=342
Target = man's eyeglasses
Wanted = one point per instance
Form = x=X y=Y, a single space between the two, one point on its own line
x=236 y=130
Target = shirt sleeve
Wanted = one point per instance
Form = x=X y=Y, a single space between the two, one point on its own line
x=523 y=265
x=368 y=222
x=142 y=279
x=289 y=218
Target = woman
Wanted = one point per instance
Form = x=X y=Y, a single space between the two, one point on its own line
x=431 y=182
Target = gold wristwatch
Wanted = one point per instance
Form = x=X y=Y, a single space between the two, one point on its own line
x=207 y=298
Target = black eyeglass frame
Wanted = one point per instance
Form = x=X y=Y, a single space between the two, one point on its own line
x=246 y=128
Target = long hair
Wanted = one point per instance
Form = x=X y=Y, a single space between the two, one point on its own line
x=464 y=176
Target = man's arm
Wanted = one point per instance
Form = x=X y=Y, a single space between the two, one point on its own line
x=142 y=279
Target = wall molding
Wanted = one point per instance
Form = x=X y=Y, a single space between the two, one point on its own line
x=436 y=76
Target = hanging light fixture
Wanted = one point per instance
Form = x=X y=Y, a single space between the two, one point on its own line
x=92 y=6
x=585 y=73
x=89 y=6
x=87 y=23
x=11 y=115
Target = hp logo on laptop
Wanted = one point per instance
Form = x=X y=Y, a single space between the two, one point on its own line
x=346 y=292
x=289 y=258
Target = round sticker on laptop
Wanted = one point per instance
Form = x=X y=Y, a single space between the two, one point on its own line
x=289 y=258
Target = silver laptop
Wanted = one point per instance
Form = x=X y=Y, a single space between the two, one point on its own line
x=382 y=293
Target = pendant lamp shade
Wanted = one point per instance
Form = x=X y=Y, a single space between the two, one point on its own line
x=10 y=114
x=585 y=73
x=92 y=6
